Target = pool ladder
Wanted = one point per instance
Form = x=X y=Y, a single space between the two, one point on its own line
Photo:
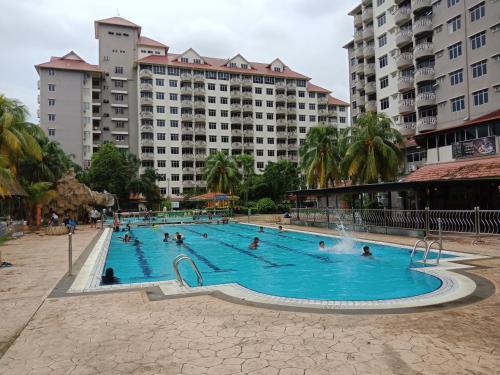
x=429 y=245
x=175 y=264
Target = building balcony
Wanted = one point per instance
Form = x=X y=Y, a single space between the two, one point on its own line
x=248 y=120
x=187 y=129
x=146 y=100
x=369 y=69
x=236 y=107
x=406 y=106
x=291 y=85
x=246 y=82
x=371 y=106
x=236 y=94
x=200 y=143
x=201 y=184
x=402 y=15
x=361 y=101
x=146 y=115
x=358 y=52
x=291 y=110
x=187 y=143
x=235 y=81
x=280 y=98
x=358 y=20
x=369 y=51
x=186 y=90
x=280 y=85
x=281 y=134
x=199 y=117
x=293 y=146
x=147 y=156
x=332 y=113
x=425 y=99
x=358 y=36
x=199 y=170
x=416 y=5
x=199 y=91
x=368 y=33
x=236 y=120
x=281 y=146
x=281 y=109
x=360 y=84
x=422 y=25
x=186 y=77
x=187 y=156
x=145 y=73
x=323 y=112
x=187 y=117
x=188 y=183
x=292 y=133
x=281 y=122
x=188 y=170
x=359 y=68
x=236 y=132
x=146 y=87
x=292 y=123
x=199 y=78
x=186 y=103
x=404 y=60
x=322 y=100
x=367 y=15
x=291 y=98
x=200 y=131
x=425 y=124
x=147 y=142
x=423 y=50
x=404 y=38
x=371 y=87
x=246 y=95
x=424 y=74
x=236 y=145
x=405 y=83
x=247 y=107
x=407 y=129
x=147 y=129
x=366 y=2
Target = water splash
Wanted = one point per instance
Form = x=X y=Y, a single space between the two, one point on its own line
x=346 y=243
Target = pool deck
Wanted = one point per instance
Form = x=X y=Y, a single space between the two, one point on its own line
x=129 y=332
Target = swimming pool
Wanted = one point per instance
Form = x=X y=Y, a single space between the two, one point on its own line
x=287 y=264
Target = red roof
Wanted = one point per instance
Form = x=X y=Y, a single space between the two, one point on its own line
x=70 y=61
x=117 y=21
x=220 y=65
x=458 y=170
x=334 y=101
x=145 y=41
x=314 y=88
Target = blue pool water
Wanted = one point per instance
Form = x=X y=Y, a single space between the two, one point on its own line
x=287 y=264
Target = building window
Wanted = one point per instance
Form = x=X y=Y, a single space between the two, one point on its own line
x=211 y=86
x=302 y=129
x=223 y=87
x=161 y=95
x=212 y=112
x=174 y=110
x=176 y=190
x=302 y=118
x=160 y=123
x=269 y=91
x=458 y=104
x=52 y=72
x=342 y=120
x=479 y=69
x=118 y=84
x=258 y=90
x=224 y=113
x=477 y=12
x=118 y=69
x=382 y=40
x=224 y=139
x=211 y=99
x=384 y=103
x=119 y=111
x=160 y=136
x=174 y=137
x=52 y=117
x=270 y=152
x=312 y=118
x=212 y=125
x=52 y=87
x=174 y=163
x=172 y=83
x=312 y=95
x=478 y=40
x=270 y=128
x=382 y=61
x=52 y=132
x=159 y=82
x=163 y=191
x=270 y=141
x=302 y=105
x=455 y=50
x=174 y=123
x=381 y=20
x=452 y=2
x=258 y=103
x=174 y=150
x=260 y=152
x=456 y=77
x=52 y=102
x=454 y=24
x=223 y=100
x=184 y=59
x=380 y=2
x=212 y=138
x=259 y=140
x=480 y=97
x=224 y=126
x=260 y=165
x=302 y=94
x=312 y=106
x=269 y=103
x=160 y=109
x=160 y=150
x=384 y=82
x=157 y=69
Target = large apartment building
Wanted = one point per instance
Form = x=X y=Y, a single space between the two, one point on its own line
x=433 y=66
x=173 y=109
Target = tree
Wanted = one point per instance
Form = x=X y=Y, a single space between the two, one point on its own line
x=38 y=193
x=246 y=163
x=320 y=157
x=6 y=178
x=279 y=178
x=221 y=173
x=373 y=154
x=148 y=187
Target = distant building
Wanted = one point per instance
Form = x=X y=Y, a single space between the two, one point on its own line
x=173 y=110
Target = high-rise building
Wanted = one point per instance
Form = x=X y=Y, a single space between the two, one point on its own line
x=173 y=109
x=434 y=68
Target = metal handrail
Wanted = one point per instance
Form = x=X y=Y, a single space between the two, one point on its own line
x=175 y=264
x=415 y=248
x=429 y=249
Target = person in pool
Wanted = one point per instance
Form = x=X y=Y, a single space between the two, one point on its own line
x=126 y=238
x=254 y=244
x=166 y=237
x=321 y=244
x=205 y=235
x=280 y=228
x=261 y=230
x=178 y=238
x=366 y=251
x=109 y=277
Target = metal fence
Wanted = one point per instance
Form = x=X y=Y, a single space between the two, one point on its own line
x=476 y=222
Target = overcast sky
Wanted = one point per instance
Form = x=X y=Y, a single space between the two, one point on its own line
x=307 y=35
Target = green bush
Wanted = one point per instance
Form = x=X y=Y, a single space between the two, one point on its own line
x=265 y=205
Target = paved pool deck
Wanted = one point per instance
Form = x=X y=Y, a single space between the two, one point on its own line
x=128 y=332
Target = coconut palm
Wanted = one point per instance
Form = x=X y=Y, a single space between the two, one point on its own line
x=373 y=152
x=320 y=157
x=5 y=178
x=221 y=173
x=246 y=163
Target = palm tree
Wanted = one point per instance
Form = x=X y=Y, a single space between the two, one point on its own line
x=221 y=173
x=16 y=135
x=320 y=157
x=246 y=163
x=38 y=193
x=373 y=154
x=5 y=178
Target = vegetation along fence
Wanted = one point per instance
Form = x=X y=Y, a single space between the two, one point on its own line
x=476 y=222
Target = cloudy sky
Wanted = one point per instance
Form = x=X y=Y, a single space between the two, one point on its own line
x=307 y=35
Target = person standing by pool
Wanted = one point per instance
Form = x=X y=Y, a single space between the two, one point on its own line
x=254 y=244
x=366 y=251
x=93 y=218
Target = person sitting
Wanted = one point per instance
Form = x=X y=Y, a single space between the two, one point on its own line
x=286 y=215
x=254 y=244
x=261 y=229
x=321 y=244
x=366 y=251
x=109 y=277
x=166 y=237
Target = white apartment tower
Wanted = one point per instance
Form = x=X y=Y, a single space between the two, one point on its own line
x=173 y=109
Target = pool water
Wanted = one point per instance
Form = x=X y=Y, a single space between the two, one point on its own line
x=287 y=264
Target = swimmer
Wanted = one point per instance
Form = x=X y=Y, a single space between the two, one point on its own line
x=205 y=235
x=261 y=229
x=254 y=244
x=128 y=227
x=109 y=277
x=366 y=251
x=280 y=228
x=321 y=244
x=166 y=237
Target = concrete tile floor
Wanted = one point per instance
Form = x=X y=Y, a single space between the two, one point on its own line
x=126 y=333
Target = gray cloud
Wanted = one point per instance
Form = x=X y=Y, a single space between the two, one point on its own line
x=307 y=35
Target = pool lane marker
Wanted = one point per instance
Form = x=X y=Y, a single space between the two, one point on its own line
x=322 y=258
x=243 y=251
x=143 y=262
x=203 y=259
